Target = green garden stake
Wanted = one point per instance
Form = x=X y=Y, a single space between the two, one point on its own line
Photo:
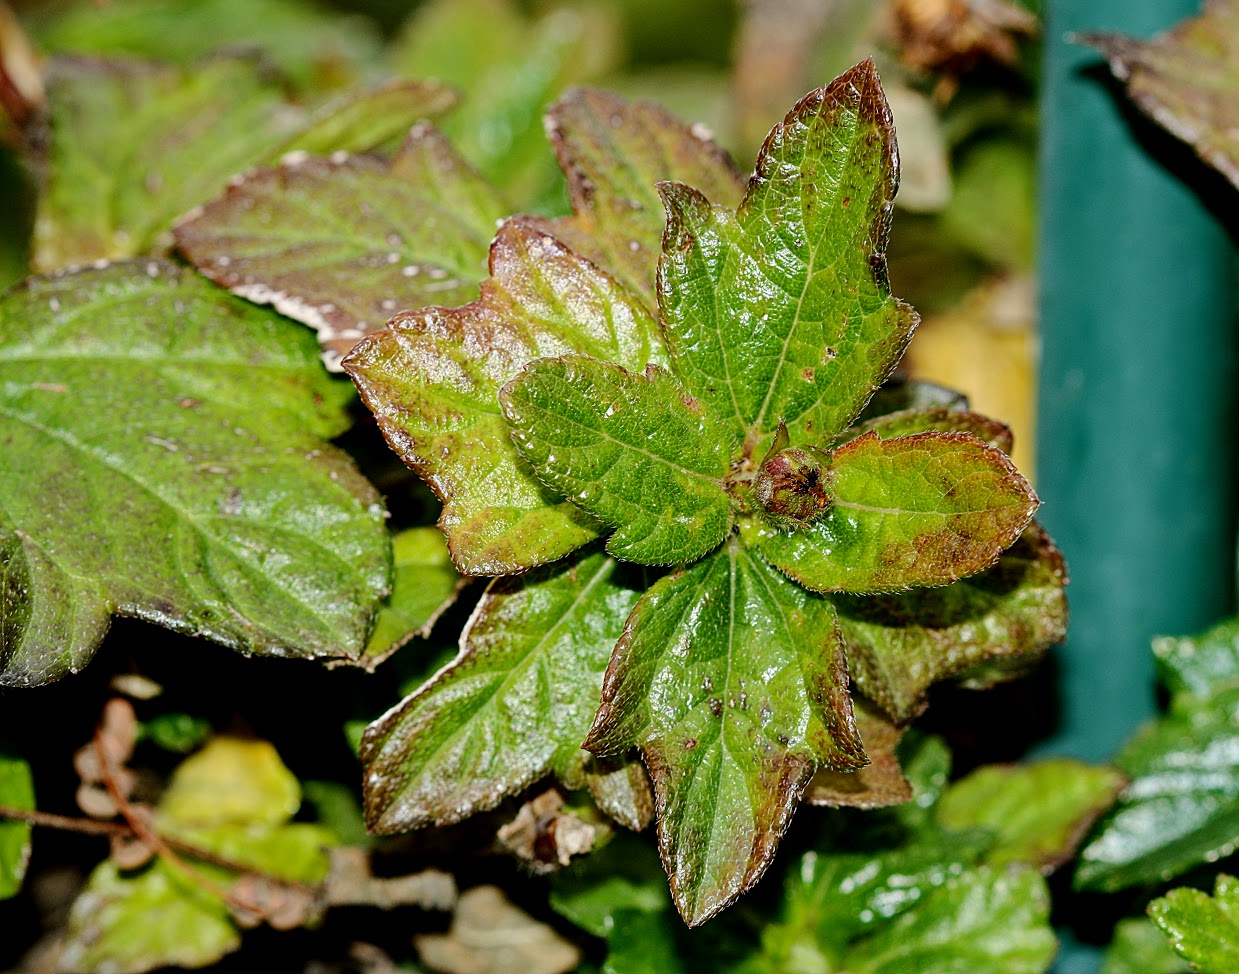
x=1137 y=387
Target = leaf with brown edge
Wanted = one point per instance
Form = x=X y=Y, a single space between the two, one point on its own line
x=514 y=706
x=1187 y=80
x=920 y=510
x=134 y=145
x=880 y=784
x=984 y=628
x=937 y=419
x=432 y=379
x=732 y=681
x=613 y=152
x=343 y=243
x=782 y=311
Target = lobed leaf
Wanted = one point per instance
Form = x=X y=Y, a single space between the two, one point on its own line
x=783 y=312
x=514 y=706
x=733 y=682
x=16 y=791
x=134 y=145
x=980 y=629
x=614 y=152
x=914 y=511
x=432 y=379
x=164 y=459
x=1185 y=80
x=343 y=243
x=635 y=451
x=1039 y=812
x=1202 y=929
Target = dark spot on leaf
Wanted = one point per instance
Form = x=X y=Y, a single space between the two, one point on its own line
x=716 y=706
x=690 y=743
x=847 y=201
x=807 y=374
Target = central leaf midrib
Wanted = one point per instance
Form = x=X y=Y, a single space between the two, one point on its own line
x=487 y=698
x=854 y=125
x=695 y=474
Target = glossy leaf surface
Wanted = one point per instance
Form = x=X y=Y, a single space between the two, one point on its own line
x=1186 y=80
x=915 y=511
x=783 y=311
x=635 y=451
x=987 y=920
x=1181 y=806
x=515 y=704
x=165 y=459
x=732 y=681
x=343 y=243
x=1038 y=812
x=998 y=620
x=1203 y=929
x=432 y=379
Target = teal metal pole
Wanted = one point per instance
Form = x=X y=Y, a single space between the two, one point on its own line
x=1137 y=390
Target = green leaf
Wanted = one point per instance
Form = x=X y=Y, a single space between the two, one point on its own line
x=176 y=732
x=914 y=511
x=231 y=782
x=880 y=783
x=342 y=244
x=901 y=394
x=937 y=419
x=234 y=798
x=1181 y=806
x=514 y=706
x=622 y=877
x=16 y=791
x=424 y=586
x=636 y=451
x=207 y=501
x=833 y=898
x=135 y=145
x=733 y=682
x=987 y=920
x=313 y=44
x=509 y=66
x=432 y=380
x=1186 y=79
x=1039 y=812
x=1200 y=666
x=1202 y=929
x=783 y=312
x=642 y=943
x=980 y=629
x=614 y=152
x=125 y=924
x=1140 y=948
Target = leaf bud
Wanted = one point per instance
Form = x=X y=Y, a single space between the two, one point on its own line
x=793 y=483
